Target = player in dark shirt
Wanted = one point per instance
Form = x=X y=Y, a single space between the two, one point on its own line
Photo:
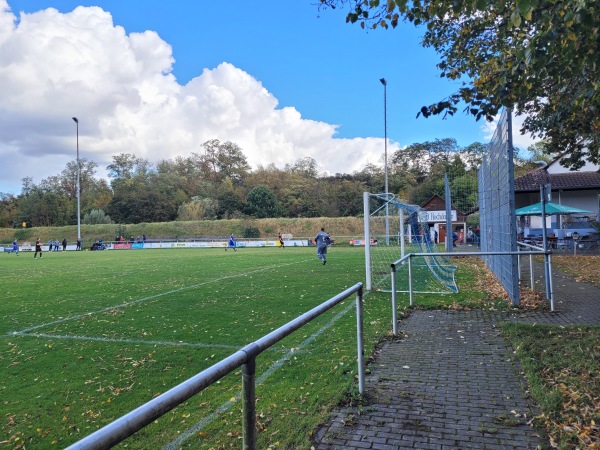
x=322 y=240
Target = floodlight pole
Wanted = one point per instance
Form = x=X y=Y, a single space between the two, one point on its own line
x=385 y=169
x=78 y=185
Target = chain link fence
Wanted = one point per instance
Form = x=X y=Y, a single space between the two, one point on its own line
x=497 y=207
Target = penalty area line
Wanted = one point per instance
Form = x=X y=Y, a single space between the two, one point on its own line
x=207 y=420
x=152 y=297
x=126 y=341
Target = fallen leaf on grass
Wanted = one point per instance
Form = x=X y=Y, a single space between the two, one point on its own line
x=582 y=268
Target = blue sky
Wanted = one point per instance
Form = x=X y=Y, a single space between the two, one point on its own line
x=296 y=82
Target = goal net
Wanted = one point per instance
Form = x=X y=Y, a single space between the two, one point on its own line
x=393 y=229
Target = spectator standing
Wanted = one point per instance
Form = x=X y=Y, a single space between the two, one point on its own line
x=64 y=244
x=322 y=240
x=78 y=244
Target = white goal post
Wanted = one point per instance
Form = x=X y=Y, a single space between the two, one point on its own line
x=408 y=231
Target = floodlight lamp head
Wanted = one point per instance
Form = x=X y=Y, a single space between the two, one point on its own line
x=383 y=81
x=75 y=119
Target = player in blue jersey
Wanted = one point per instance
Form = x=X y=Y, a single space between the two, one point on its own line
x=322 y=240
x=231 y=243
x=15 y=248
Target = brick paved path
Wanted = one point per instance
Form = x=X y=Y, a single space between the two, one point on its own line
x=452 y=382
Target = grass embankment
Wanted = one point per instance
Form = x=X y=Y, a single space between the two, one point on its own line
x=268 y=228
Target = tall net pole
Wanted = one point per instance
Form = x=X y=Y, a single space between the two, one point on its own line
x=385 y=168
x=449 y=241
x=367 y=229
x=78 y=183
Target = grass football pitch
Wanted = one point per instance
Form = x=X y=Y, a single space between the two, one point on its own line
x=89 y=336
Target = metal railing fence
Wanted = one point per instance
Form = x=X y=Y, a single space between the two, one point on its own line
x=408 y=260
x=127 y=425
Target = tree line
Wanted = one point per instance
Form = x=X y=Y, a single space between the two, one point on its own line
x=218 y=183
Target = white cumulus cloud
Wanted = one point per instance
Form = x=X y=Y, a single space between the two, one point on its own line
x=55 y=66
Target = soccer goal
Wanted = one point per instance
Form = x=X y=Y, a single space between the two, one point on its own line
x=393 y=229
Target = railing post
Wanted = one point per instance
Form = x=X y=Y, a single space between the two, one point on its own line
x=550 y=283
x=547 y=273
x=394 y=303
x=402 y=245
x=249 y=403
x=360 y=342
x=531 y=271
x=410 y=283
x=366 y=215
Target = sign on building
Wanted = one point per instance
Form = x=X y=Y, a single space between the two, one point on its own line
x=440 y=216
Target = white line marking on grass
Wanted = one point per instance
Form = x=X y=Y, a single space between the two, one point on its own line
x=141 y=300
x=125 y=341
x=177 y=442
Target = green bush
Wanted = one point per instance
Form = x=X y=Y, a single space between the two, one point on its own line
x=121 y=230
x=23 y=234
x=251 y=232
x=96 y=216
